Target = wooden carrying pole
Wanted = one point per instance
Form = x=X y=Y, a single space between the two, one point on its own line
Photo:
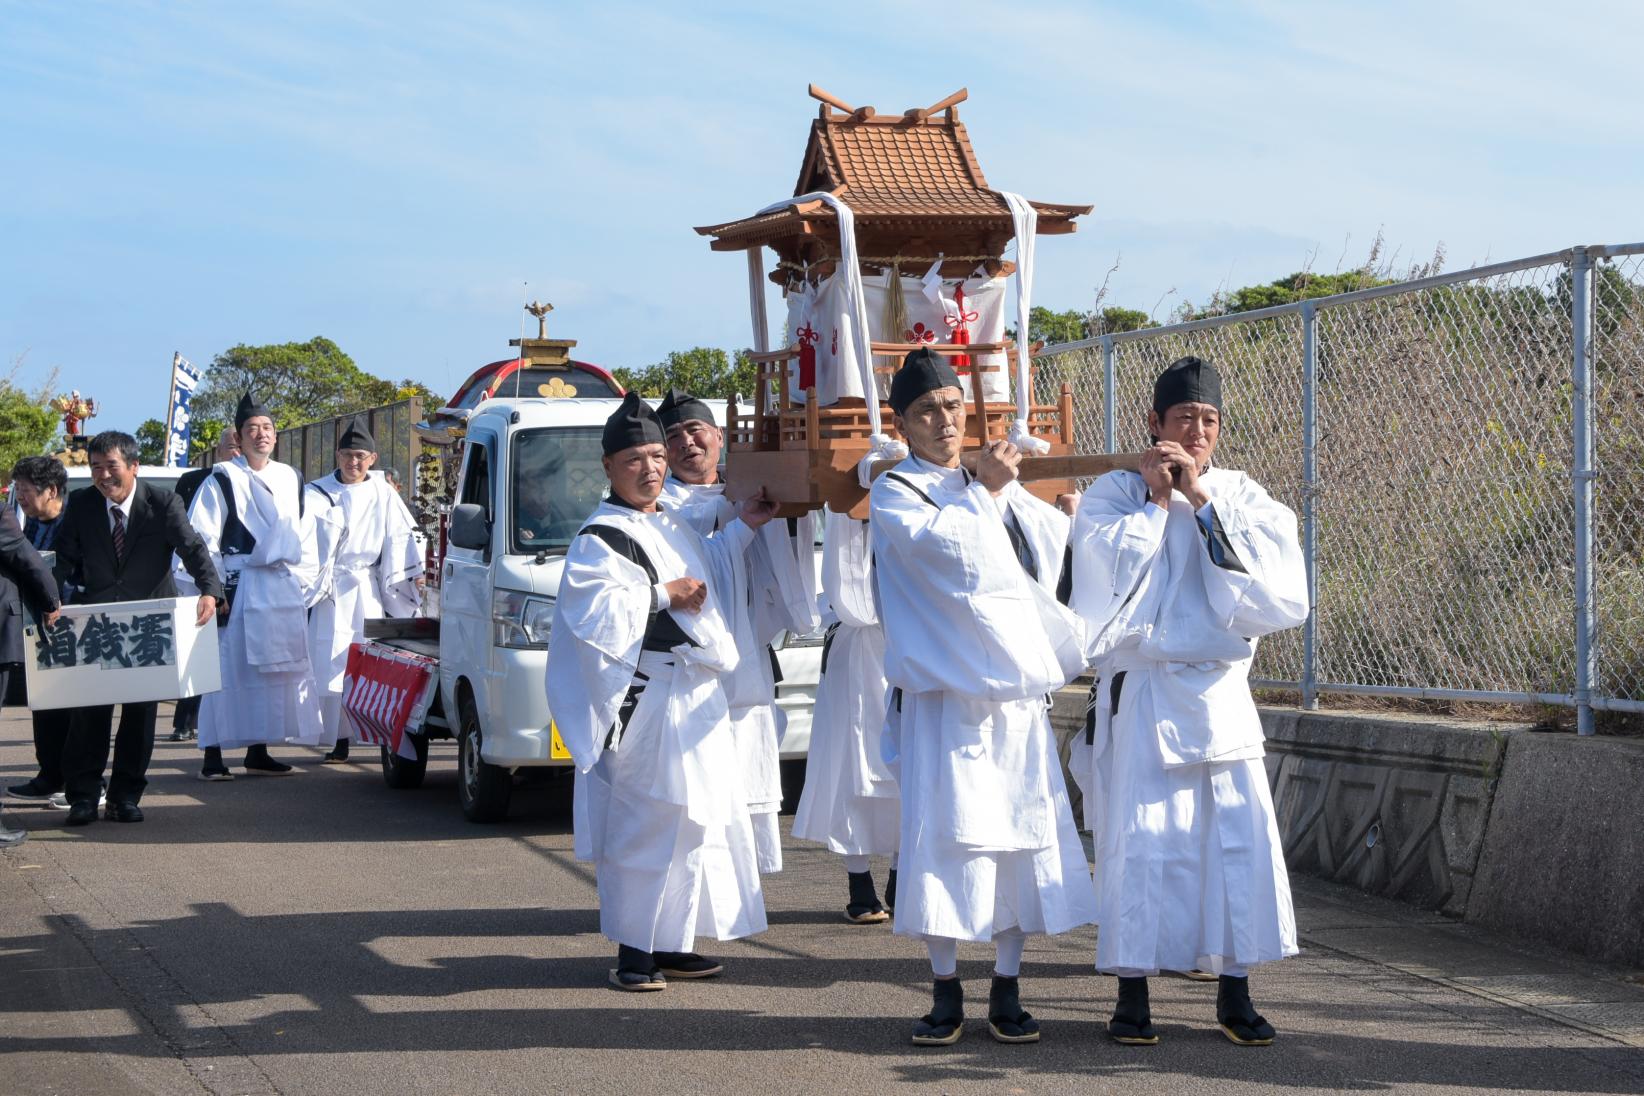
x=1077 y=466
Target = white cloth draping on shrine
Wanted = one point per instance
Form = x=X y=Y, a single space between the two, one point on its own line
x=850 y=802
x=1190 y=871
x=268 y=692
x=368 y=568
x=780 y=595
x=658 y=804
x=968 y=310
x=975 y=645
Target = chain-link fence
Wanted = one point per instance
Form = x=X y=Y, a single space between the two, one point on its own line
x=1464 y=452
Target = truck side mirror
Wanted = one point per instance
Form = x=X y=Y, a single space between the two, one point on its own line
x=468 y=527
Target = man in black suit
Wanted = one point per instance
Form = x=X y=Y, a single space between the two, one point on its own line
x=185 y=721
x=119 y=535
x=24 y=579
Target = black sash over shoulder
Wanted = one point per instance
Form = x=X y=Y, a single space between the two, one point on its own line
x=662 y=632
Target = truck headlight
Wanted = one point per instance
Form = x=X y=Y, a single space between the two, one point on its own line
x=520 y=620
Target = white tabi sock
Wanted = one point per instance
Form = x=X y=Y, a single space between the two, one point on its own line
x=944 y=955
x=1007 y=947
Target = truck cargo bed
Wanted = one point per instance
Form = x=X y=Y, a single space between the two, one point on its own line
x=417 y=635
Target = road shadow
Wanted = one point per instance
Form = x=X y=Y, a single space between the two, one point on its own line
x=411 y=980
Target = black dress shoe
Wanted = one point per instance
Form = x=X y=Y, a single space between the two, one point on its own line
x=122 y=811
x=34 y=790
x=82 y=813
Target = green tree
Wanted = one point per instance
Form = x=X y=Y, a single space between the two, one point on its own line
x=202 y=437
x=298 y=382
x=703 y=371
x=1057 y=327
x=1116 y=319
x=1073 y=325
x=27 y=426
x=1300 y=286
x=151 y=442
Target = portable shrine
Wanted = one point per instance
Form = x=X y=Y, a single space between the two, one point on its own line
x=893 y=240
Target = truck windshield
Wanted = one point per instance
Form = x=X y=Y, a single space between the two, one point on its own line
x=558 y=479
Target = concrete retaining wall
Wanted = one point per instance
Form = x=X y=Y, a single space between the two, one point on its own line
x=1563 y=857
x=1541 y=835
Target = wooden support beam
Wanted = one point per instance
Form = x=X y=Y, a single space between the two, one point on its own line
x=1077 y=466
x=829 y=99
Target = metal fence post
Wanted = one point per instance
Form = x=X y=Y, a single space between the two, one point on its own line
x=1310 y=543
x=1581 y=378
x=1110 y=424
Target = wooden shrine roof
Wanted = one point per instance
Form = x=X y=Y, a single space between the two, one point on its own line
x=916 y=169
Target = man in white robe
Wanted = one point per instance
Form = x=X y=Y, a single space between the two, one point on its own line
x=777 y=598
x=250 y=513
x=640 y=642
x=1177 y=570
x=975 y=640
x=850 y=802
x=369 y=568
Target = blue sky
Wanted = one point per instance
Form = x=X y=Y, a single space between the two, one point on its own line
x=189 y=176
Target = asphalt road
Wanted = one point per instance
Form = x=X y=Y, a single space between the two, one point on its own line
x=320 y=933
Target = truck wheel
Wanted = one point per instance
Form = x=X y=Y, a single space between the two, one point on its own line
x=483 y=788
x=402 y=772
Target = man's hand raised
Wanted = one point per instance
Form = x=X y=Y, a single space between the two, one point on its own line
x=688 y=594
x=996 y=467
x=756 y=511
x=1158 y=469
x=1185 y=472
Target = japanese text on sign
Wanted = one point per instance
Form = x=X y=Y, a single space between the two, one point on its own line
x=107 y=640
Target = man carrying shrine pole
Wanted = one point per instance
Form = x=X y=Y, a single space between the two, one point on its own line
x=119 y=537
x=975 y=640
x=777 y=599
x=250 y=513
x=1178 y=568
x=370 y=567
x=640 y=644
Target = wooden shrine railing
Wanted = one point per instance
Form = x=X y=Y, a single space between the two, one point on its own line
x=804 y=456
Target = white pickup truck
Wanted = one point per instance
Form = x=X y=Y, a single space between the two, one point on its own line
x=531 y=473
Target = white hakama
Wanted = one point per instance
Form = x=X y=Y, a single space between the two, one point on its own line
x=975 y=644
x=1189 y=865
x=268 y=694
x=850 y=803
x=780 y=595
x=659 y=806
x=368 y=569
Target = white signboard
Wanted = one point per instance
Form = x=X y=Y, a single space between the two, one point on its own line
x=124 y=652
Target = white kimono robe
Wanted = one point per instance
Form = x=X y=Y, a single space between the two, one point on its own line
x=850 y=802
x=975 y=646
x=268 y=694
x=1189 y=868
x=780 y=596
x=659 y=806
x=368 y=569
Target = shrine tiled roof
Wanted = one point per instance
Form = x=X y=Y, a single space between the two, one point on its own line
x=890 y=169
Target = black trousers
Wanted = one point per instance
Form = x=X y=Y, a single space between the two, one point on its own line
x=187 y=715
x=51 y=728
x=87 y=752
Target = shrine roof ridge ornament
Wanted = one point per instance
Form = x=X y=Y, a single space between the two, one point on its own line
x=911 y=174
